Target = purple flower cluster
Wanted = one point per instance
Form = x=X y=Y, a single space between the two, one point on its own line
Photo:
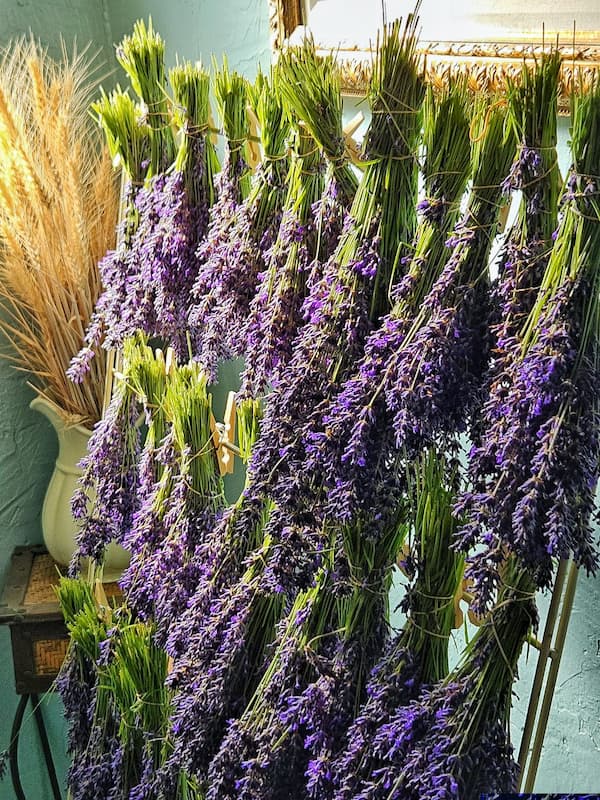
x=275 y=311
x=229 y=260
x=451 y=741
x=414 y=385
x=147 y=280
x=261 y=755
x=106 y=498
x=217 y=672
x=535 y=470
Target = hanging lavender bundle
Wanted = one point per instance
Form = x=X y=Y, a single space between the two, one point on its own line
x=418 y=656
x=226 y=282
x=233 y=187
x=128 y=138
x=148 y=279
x=535 y=497
x=250 y=763
x=97 y=757
x=219 y=663
x=142 y=56
x=179 y=219
x=535 y=173
x=172 y=218
x=453 y=742
x=172 y=528
x=77 y=679
x=311 y=89
x=420 y=374
x=274 y=314
x=106 y=498
x=533 y=107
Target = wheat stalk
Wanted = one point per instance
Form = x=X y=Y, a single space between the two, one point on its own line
x=58 y=213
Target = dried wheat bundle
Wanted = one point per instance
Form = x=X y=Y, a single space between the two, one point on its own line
x=58 y=212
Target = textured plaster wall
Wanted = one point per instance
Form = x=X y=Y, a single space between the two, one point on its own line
x=196 y=29
x=82 y=21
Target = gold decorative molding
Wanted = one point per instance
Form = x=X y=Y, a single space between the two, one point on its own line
x=487 y=64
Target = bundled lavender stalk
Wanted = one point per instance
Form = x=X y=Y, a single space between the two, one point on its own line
x=256 y=758
x=536 y=467
x=174 y=523
x=453 y=742
x=418 y=656
x=106 y=498
x=148 y=279
x=218 y=665
x=420 y=375
x=142 y=56
x=311 y=87
x=231 y=94
x=275 y=310
x=233 y=186
x=172 y=218
x=227 y=280
x=534 y=113
x=128 y=139
x=97 y=756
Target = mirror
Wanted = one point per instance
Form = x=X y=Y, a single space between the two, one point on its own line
x=487 y=39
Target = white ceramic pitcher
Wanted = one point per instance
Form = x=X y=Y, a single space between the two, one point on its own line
x=58 y=525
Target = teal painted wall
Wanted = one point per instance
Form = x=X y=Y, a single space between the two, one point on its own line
x=82 y=21
x=196 y=29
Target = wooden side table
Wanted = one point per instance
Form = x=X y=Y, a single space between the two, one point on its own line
x=39 y=639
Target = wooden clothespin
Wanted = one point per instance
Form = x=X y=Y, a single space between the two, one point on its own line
x=503 y=217
x=254 y=156
x=170 y=361
x=474 y=619
x=101 y=600
x=214 y=131
x=223 y=437
x=349 y=130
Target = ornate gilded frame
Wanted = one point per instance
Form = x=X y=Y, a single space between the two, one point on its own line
x=486 y=63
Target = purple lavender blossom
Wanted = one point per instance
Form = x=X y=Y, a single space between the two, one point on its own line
x=535 y=471
x=221 y=258
x=105 y=501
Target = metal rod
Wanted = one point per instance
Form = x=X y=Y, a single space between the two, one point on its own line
x=41 y=726
x=561 y=635
x=13 y=750
x=538 y=681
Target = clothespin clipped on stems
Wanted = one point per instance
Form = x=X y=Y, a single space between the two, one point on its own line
x=462 y=593
x=214 y=131
x=503 y=217
x=253 y=148
x=350 y=129
x=101 y=600
x=474 y=619
x=223 y=437
x=170 y=361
